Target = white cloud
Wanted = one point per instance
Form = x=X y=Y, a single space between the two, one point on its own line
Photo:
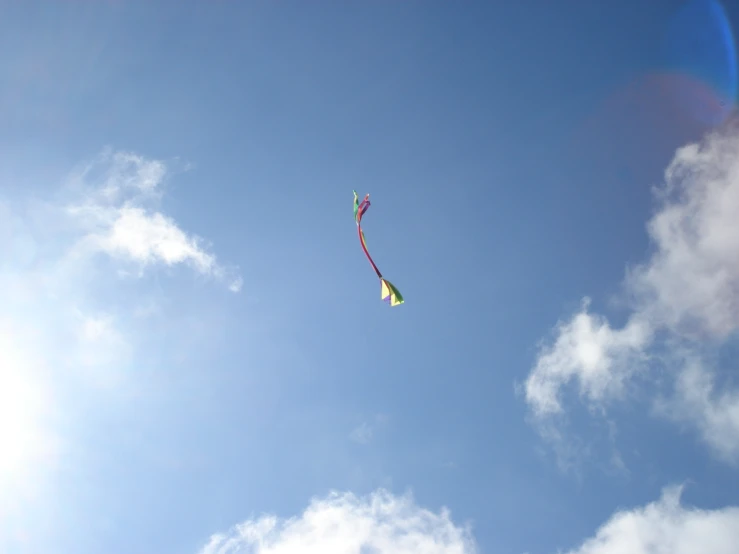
x=149 y=238
x=118 y=218
x=67 y=329
x=696 y=402
x=666 y=526
x=589 y=350
x=346 y=524
x=686 y=294
x=111 y=174
x=691 y=283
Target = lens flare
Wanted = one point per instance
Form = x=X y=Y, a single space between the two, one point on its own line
x=699 y=46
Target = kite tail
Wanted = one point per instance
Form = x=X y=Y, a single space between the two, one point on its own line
x=388 y=292
x=359 y=210
x=366 y=253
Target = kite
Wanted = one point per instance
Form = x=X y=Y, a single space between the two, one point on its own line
x=388 y=292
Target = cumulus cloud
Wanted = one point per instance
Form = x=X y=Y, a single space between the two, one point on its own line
x=685 y=295
x=347 y=524
x=666 y=526
x=691 y=283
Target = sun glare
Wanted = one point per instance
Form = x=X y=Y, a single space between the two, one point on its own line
x=21 y=405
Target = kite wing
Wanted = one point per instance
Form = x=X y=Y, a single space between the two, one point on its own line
x=388 y=292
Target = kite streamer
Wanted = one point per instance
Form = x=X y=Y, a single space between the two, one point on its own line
x=388 y=292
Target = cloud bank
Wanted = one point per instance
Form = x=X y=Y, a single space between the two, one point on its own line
x=380 y=523
x=684 y=307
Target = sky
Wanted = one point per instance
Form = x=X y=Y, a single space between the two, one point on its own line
x=194 y=354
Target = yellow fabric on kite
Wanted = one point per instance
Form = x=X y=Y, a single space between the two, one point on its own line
x=390 y=294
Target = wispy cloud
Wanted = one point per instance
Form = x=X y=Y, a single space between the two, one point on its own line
x=364 y=432
x=118 y=216
x=68 y=322
x=25 y=404
x=587 y=349
x=666 y=526
x=343 y=522
x=697 y=402
x=684 y=304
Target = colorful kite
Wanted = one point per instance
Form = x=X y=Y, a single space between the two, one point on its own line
x=389 y=293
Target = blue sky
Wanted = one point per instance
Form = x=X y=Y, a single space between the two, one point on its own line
x=194 y=356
